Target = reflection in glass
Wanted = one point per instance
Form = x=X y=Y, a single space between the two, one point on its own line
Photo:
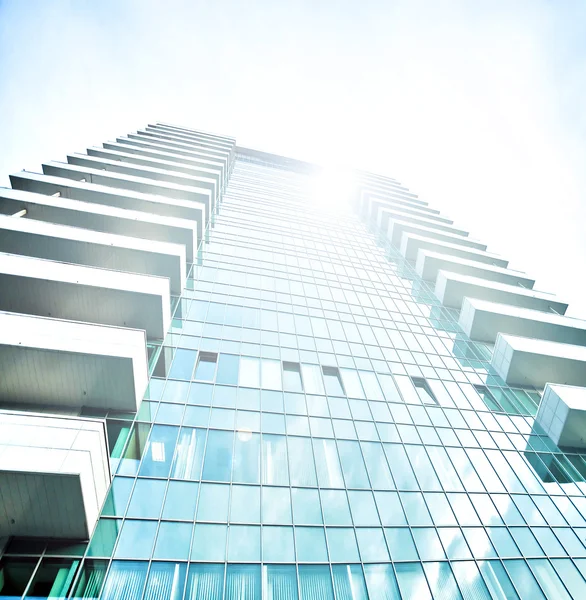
x=125 y=580
x=315 y=582
x=204 y=582
x=166 y=580
x=243 y=582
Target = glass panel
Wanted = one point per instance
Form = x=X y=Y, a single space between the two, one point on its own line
x=249 y=372
x=180 y=500
x=497 y=580
x=441 y=581
x=115 y=505
x=246 y=467
x=147 y=498
x=363 y=508
x=276 y=505
x=271 y=374
x=244 y=543
x=228 y=369
x=277 y=544
x=401 y=543
x=353 y=464
x=104 y=537
x=189 y=454
x=280 y=582
x=342 y=545
x=274 y=460
x=333 y=381
x=165 y=581
x=312 y=379
x=428 y=544
x=329 y=472
x=315 y=582
x=136 y=539
x=292 y=377
x=548 y=580
x=245 y=504
x=412 y=582
x=125 y=580
x=336 y=510
x=523 y=580
x=183 y=363
x=371 y=543
x=89 y=582
x=209 y=542
x=310 y=543
x=301 y=466
x=243 y=582
x=306 y=507
x=471 y=583
x=381 y=582
x=218 y=458
x=349 y=582
x=206 y=366
x=205 y=582
x=570 y=576
x=53 y=578
x=159 y=451
x=376 y=464
x=352 y=383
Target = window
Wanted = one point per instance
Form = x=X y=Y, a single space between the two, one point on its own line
x=488 y=398
x=292 y=377
x=424 y=391
x=206 y=366
x=333 y=381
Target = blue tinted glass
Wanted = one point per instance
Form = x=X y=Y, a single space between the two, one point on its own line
x=166 y=580
x=570 y=576
x=381 y=582
x=173 y=540
x=523 y=580
x=400 y=467
x=471 y=583
x=206 y=366
x=183 y=363
x=281 y=582
x=363 y=508
x=159 y=451
x=277 y=544
x=147 y=498
x=228 y=369
x=306 y=506
x=376 y=464
x=180 y=500
x=218 y=458
x=276 y=505
x=415 y=509
x=315 y=582
x=125 y=580
x=244 y=543
x=245 y=504
x=136 y=539
x=412 y=581
x=246 y=467
x=214 y=499
x=310 y=543
x=352 y=464
x=329 y=472
x=204 y=582
x=189 y=454
x=497 y=581
x=371 y=543
x=342 y=544
x=243 y=582
x=548 y=580
x=117 y=500
x=349 y=582
x=441 y=581
x=274 y=460
x=428 y=544
x=401 y=543
x=301 y=465
x=209 y=542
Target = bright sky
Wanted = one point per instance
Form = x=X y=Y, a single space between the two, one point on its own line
x=477 y=106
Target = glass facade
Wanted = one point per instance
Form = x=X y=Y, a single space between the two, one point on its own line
x=318 y=427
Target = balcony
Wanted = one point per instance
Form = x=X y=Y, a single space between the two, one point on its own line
x=452 y=288
x=429 y=263
x=54 y=475
x=398 y=227
x=98 y=194
x=483 y=321
x=411 y=244
x=48 y=288
x=562 y=414
x=85 y=247
x=99 y=217
x=53 y=362
x=527 y=362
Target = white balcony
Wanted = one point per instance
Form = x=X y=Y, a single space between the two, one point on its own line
x=483 y=321
x=452 y=288
x=142 y=141
x=372 y=208
x=53 y=362
x=95 y=193
x=100 y=217
x=562 y=414
x=201 y=168
x=165 y=189
x=47 y=288
x=524 y=361
x=229 y=140
x=429 y=263
x=208 y=140
x=86 y=247
x=399 y=227
x=152 y=172
x=177 y=137
x=54 y=475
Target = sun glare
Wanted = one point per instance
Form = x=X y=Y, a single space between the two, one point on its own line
x=332 y=187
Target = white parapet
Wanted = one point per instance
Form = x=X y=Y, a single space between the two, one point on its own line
x=482 y=321
x=54 y=474
x=562 y=414
x=412 y=244
x=526 y=362
x=94 y=248
x=48 y=288
x=53 y=362
x=452 y=288
x=430 y=263
x=398 y=228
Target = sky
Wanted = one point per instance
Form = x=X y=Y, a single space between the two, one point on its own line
x=477 y=106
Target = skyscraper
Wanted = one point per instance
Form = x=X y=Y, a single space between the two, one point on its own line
x=230 y=374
